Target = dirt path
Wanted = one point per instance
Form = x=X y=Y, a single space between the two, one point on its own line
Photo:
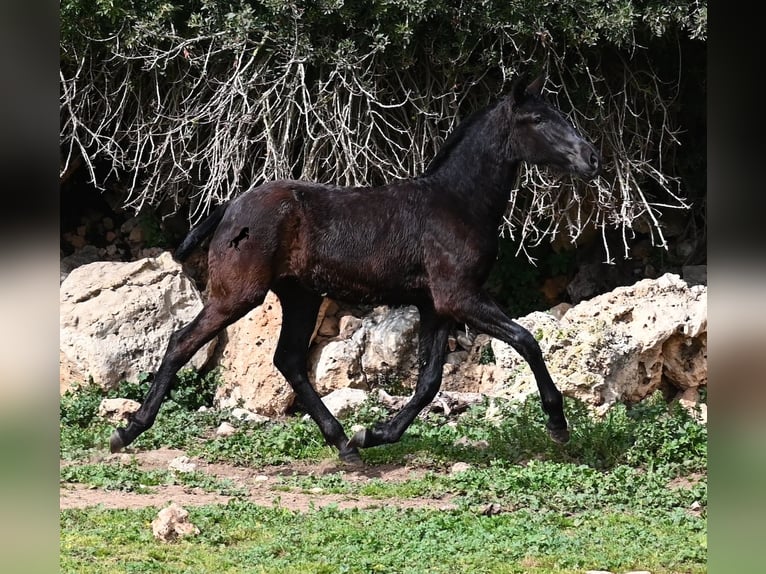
x=258 y=483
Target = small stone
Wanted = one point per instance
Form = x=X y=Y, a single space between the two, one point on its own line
x=173 y=523
x=129 y=225
x=226 y=429
x=459 y=467
x=76 y=241
x=248 y=416
x=468 y=443
x=464 y=341
x=559 y=310
x=261 y=478
x=456 y=358
x=117 y=410
x=348 y=325
x=136 y=235
x=182 y=464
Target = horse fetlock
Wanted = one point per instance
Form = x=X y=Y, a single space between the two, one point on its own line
x=559 y=432
x=118 y=440
x=349 y=455
x=359 y=440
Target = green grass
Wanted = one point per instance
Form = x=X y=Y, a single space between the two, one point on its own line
x=617 y=497
x=129 y=478
x=242 y=537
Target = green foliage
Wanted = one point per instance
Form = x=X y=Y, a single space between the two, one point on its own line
x=79 y=405
x=151 y=229
x=516 y=281
x=178 y=425
x=617 y=497
x=270 y=443
x=130 y=478
x=487 y=355
x=191 y=390
x=328 y=541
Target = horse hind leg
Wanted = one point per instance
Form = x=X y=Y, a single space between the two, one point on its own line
x=432 y=342
x=299 y=313
x=213 y=317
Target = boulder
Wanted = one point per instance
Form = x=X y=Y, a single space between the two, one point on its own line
x=116 y=319
x=379 y=348
x=391 y=345
x=343 y=401
x=618 y=347
x=249 y=378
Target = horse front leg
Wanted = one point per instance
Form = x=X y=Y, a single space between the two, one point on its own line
x=479 y=311
x=181 y=347
x=432 y=342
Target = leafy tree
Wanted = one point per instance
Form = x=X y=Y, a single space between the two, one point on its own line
x=190 y=103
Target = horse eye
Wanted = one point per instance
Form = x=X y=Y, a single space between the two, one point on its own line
x=537 y=119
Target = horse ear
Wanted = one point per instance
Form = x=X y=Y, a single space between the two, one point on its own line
x=519 y=92
x=536 y=87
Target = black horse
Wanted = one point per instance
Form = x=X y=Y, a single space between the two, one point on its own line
x=429 y=242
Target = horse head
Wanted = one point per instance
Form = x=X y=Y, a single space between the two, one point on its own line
x=541 y=134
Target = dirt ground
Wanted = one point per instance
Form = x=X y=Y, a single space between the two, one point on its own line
x=259 y=483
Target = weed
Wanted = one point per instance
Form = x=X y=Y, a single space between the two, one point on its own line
x=487 y=355
x=617 y=496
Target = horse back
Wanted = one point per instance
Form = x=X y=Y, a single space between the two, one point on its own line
x=356 y=244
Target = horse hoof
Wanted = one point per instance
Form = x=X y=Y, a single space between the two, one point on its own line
x=351 y=457
x=116 y=444
x=560 y=436
x=358 y=440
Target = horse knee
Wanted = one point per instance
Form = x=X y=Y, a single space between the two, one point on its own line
x=526 y=345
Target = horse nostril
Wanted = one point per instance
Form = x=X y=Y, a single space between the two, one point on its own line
x=594 y=160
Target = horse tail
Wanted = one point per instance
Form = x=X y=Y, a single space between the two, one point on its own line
x=199 y=233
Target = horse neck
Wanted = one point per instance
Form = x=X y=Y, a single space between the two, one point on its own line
x=478 y=174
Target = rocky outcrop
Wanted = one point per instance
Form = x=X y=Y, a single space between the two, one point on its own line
x=376 y=349
x=620 y=346
x=116 y=319
x=249 y=377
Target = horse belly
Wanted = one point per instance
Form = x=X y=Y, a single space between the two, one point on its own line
x=365 y=279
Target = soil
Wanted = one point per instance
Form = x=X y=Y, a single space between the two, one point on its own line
x=259 y=483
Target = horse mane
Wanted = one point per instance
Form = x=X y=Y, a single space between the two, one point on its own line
x=456 y=136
